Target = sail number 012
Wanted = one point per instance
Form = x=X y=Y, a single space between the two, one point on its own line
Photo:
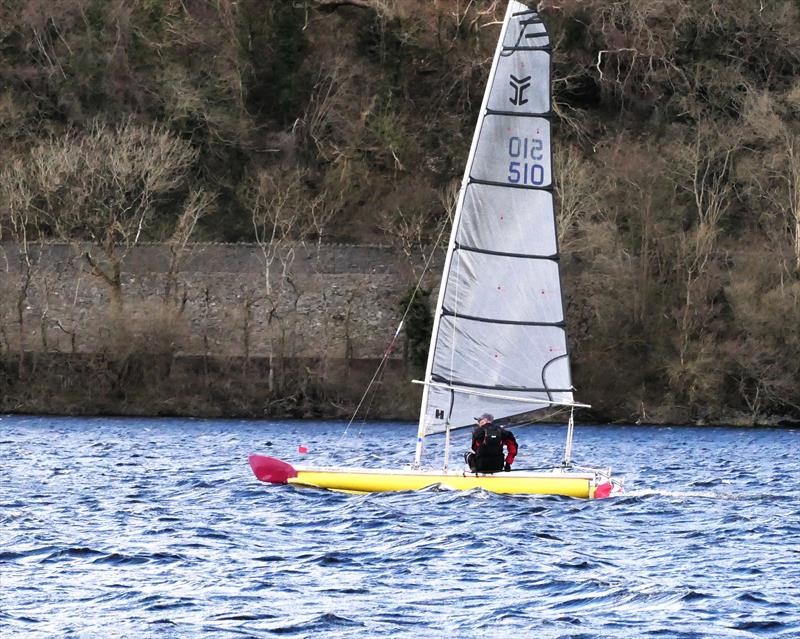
x=525 y=169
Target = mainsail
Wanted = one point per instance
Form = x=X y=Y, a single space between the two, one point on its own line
x=499 y=343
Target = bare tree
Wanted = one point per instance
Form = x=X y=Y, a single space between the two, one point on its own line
x=277 y=212
x=702 y=172
x=19 y=222
x=577 y=191
x=196 y=205
x=276 y=206
x=417 y=231
x=782 y=191
x=772 y=174
x=102 y=189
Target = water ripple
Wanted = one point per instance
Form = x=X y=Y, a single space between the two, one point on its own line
x=155 y=528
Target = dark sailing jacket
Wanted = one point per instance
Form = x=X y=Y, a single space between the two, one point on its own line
x=488 y=442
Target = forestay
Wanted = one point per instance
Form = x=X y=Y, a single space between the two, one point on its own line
x=499 y=343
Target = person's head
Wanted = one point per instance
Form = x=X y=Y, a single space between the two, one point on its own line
x=484 y=419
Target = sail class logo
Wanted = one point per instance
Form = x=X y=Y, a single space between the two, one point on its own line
x=520 y=85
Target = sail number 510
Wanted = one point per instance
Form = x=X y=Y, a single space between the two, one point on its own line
x=526 y=169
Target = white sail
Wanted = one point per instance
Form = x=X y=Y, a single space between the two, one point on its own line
x=499 y=343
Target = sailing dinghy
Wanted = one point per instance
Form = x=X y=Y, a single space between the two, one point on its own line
x=498 y=343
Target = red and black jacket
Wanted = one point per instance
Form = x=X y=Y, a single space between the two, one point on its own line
x=488 y=442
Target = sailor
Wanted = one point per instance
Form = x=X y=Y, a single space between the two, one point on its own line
x=487 y=446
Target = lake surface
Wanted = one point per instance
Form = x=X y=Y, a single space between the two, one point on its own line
x=157 y=528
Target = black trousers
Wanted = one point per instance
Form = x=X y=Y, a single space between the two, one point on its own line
x=478 y=465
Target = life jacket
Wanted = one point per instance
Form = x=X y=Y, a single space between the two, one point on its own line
x=490 y=451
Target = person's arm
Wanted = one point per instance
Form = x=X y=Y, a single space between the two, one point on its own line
x=477 y=438
x=511 y=444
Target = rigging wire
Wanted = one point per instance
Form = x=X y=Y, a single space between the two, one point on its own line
x=390 y=349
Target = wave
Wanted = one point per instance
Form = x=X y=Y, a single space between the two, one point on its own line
x=726 y=495
x=122 y=559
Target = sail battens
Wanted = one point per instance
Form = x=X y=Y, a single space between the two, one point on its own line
x=489 y=320
x=453 y=384
x=547 y=48
x=521 y=403
x=522 y=256
x=546 y=114
x=526 y=187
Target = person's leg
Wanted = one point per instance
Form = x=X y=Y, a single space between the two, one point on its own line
x=469 y=458
x=488 y=465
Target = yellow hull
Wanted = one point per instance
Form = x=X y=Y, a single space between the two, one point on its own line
x=580 y=485
x=586 y=483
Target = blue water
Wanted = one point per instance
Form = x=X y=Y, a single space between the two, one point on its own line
x=156 y=528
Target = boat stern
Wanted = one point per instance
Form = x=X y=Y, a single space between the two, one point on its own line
x=606 y=487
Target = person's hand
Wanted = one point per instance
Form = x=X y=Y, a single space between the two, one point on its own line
x=507 y=467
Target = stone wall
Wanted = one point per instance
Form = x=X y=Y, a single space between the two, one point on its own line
x=340 y=301
x=320 y=318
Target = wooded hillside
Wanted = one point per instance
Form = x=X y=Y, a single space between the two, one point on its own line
x=677 y=142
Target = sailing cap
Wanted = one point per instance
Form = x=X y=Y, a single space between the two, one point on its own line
x=487 y=416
